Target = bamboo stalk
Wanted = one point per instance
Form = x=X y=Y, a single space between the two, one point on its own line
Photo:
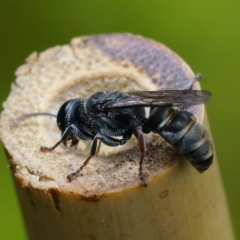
x=107 y=200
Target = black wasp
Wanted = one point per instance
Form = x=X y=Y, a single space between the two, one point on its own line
x=109 y=114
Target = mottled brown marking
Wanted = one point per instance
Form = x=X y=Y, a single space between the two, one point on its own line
x=164 y=194
x=91 y=198
x=92 y=237
x=55 y=196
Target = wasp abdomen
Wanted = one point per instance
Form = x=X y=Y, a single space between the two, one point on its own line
x=176 y=127
x=180 y=129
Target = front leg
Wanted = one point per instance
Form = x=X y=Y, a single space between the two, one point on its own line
x=71 y=130
x=110 y=141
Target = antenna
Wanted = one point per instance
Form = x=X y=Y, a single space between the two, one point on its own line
x=36 y=114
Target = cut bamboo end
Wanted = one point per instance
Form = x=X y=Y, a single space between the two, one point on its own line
x=107 y=200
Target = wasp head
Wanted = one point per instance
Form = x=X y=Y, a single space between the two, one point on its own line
x=67 y=114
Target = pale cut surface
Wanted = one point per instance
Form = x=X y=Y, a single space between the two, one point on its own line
x=87 y=65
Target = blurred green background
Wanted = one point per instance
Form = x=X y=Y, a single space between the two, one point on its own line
x=204 y=33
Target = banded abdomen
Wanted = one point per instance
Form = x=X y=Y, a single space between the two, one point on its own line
x=184 y=133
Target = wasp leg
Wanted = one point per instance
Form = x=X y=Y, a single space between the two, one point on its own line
x=103 y=138
x=197 y=77
x=71 y=130
x=142 y=146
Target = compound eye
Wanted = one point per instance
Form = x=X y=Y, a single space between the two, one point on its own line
x=61 y=116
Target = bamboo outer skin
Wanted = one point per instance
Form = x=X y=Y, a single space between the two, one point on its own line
x=107 y=200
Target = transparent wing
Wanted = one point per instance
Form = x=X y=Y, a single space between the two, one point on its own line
x=174 y=98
